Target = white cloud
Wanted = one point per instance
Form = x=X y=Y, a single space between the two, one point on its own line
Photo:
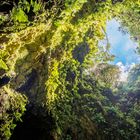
x=138 y=59
x=124 y=69
x=130 y=45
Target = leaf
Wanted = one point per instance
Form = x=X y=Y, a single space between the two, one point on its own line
x=3 y=65
x=37 y=7
x=19 y=15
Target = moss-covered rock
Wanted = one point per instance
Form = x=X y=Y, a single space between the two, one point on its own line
x=46 y=62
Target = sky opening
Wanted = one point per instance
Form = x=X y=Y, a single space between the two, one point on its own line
x=123 y=47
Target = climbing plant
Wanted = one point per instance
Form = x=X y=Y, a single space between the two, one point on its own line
x=46 y=48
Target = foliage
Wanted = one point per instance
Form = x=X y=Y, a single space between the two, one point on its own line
x=46 y=49
x=107 y=74
x=129 y=19
x=12 y=107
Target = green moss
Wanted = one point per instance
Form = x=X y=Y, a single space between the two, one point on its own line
x=47 y=64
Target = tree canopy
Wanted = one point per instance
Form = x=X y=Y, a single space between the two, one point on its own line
x=60 y=82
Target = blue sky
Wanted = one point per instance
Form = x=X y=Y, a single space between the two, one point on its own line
x=122 y=46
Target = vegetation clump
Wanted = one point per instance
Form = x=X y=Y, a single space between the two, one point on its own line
x=57 y=72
